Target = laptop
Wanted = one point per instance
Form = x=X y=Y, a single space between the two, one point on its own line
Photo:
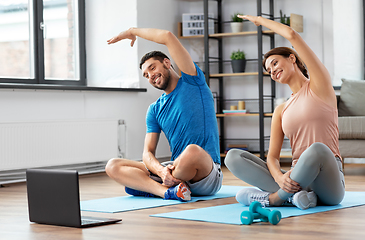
x=53 y=198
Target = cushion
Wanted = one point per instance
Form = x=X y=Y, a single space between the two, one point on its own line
x=352 y=148
x=351 y=127
x=352 y=98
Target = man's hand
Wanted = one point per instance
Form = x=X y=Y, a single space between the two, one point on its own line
x=167 y=178
x=123 y=35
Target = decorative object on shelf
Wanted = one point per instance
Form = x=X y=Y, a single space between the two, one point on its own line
x=193 y=24
x=234 y=111
x=241 y=105
x=296 y=22
x=238 y=61
x=237 y=23
x=286 y=153
x=233 y=108
x=284 y=19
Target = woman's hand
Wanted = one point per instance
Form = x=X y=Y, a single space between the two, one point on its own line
x=253 y=19
x=167 y=178
x=123 y=35
x=287 y=184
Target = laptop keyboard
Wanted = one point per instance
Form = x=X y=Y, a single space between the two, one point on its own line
x=88 y=221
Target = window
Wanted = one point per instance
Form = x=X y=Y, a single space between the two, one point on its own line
x=42 y=42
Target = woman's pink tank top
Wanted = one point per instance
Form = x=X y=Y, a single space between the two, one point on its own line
x=307 y=119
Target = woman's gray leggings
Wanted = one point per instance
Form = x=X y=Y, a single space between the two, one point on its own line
x=317 y=169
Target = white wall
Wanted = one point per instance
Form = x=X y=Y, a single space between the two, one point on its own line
x=110 y=65
x=348 y=38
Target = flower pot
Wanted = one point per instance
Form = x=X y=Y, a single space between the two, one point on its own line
x=236 y=26
x=238 y=65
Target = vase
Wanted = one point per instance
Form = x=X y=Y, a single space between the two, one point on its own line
x=238 y=65
x=236 y=26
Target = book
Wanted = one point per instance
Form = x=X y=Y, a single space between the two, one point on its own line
x=234 y=111
x=237 y=146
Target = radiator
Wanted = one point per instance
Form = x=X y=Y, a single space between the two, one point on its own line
x=55 y=144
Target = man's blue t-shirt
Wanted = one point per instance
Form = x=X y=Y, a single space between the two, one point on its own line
x=186 y=116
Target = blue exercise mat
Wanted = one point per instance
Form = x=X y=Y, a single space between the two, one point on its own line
x=230 y=214
x=130 y=203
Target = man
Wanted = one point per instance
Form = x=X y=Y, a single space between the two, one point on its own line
x=185 y=113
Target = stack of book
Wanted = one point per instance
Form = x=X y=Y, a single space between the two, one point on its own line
x=236 y=146
x=233 y=112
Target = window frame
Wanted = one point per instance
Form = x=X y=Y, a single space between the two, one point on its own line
x=38 y=49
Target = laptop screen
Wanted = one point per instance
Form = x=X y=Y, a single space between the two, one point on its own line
x=53 y=197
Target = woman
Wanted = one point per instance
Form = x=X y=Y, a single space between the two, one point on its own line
x=308 y=119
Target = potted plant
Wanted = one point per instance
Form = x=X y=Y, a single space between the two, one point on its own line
x=284 y=19
x=238 y=61
x=237 y=23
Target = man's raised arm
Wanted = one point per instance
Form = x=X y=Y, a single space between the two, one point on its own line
x=177 y=51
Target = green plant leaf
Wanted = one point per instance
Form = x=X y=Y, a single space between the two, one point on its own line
x=235 y=18
x=238 y=55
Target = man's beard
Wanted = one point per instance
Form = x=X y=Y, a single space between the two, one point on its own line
x=166 y=77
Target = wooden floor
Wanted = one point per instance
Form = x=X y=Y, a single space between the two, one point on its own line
x=340 y=224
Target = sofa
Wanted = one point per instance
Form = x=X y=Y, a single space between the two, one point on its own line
x=351 y=118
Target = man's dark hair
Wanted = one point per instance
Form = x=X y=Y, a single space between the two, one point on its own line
x=160 y=56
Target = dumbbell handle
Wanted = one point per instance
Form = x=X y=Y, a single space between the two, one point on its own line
x=247 y=217
x=256 y=207
x=273 y=216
